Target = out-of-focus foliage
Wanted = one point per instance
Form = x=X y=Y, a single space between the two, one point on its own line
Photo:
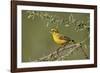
x=35 y=30
x=52 y=20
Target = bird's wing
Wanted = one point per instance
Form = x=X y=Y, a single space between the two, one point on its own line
x=62 y=37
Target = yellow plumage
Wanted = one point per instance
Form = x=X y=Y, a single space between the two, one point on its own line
x=58 y=38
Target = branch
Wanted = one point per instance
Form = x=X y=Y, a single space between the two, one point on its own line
x=67 y=49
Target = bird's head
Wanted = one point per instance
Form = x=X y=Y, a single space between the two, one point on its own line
x=54 y=30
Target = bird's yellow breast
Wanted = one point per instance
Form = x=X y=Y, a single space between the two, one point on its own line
x=57 y=39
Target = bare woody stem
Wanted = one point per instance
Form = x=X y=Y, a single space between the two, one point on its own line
x=59 y=53
x=54 y=56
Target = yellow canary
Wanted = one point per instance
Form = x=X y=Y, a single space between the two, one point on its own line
x=59 y=38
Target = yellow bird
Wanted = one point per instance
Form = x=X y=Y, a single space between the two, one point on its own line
x=59 y=38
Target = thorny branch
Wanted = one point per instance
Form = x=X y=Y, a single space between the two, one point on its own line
x=63 y=51
x=66 y=50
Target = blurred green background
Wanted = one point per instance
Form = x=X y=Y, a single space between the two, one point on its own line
x=37 y=40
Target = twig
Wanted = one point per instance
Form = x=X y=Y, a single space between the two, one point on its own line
x=84 y=52
x=59 y=53
x=82 y=48
x=54 y=56
x=69 y=52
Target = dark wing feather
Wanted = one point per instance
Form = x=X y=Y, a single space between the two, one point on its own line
x=64 y=38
